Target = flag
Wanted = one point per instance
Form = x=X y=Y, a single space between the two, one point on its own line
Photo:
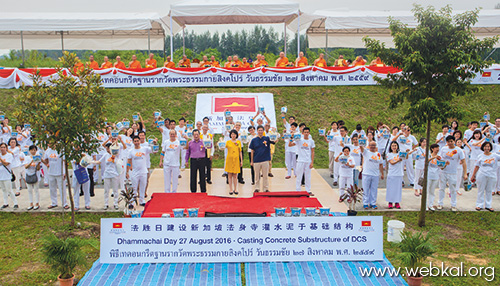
x=235 y=104
x=117 y=225
x=366 y=223
x=486 y=74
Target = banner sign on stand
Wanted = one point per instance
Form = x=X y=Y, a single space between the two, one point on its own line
x=243 y=107
x=248 y=239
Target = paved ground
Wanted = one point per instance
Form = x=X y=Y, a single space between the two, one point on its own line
x=323 y=190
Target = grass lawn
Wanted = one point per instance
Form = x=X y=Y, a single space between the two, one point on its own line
x=468 y=237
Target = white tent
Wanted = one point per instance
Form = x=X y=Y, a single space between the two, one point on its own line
x=212 y=12
x=347 y=28
x=82 y=31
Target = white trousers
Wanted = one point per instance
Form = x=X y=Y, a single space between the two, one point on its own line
x=139 y=182
x=45 y=174
x=17 y=182
x=418 y=173
x=485 y=186
x=6 y=186
x=76 y=192
x=290 y=162
x=57 y=182
x=410 y=172
x=111 y=183
x=345 y=183
x=336 y=168
x=498 y=181
x=34 y=190
x=183 y=158
x=451 y=179
x=171 y=178
x=431 y=187
x=331 y=161
x=303 y=169
x=370 y=187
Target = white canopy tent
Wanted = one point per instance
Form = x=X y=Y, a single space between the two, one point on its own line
x=347 y=28
x=213 y=12
x=82 y=31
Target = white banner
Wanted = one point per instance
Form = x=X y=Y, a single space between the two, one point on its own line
x=243 y=107
x=264 y=239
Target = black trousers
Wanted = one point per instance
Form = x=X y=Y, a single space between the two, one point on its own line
x=91 y=178
x=208 y=169
x=198 y=166
x=240 y=175
x=251 y=167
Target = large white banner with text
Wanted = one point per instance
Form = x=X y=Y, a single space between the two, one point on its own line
x=204 y=240
x=243 y=107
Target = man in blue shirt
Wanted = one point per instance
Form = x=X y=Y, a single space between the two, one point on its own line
x=260 y=147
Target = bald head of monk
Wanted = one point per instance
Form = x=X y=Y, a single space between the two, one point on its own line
x=282 y=55
x=91 y=58
x=106 y=59
x=118 y=59
x=169 y=58
x=205 y=58
x=341 y=57
x=134 y=57
x=321 y=56
x=151 y=56
x=212 y=58
x=184 y=57
x=301 y=54
x=262 y=57
x=244 y=60
x=235 y=58
x=229 y=59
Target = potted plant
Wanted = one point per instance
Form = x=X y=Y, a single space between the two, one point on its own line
x=129 y=198
x=352 y=196
x=63 y=255
x=415 y=248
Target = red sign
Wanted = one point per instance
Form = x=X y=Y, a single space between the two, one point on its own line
x=234 y=104
x=486 y=74
x=117 y=225
x=366 y=223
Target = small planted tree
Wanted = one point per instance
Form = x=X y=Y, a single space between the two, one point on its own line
x=65 y=112
x=438 y=59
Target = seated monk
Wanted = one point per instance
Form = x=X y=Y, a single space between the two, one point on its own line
x=245 y=64
x=340 y=62
x=92 y=64
x=106 y=64
x=205 y=63
x=377 y=63
x=182 y=64
x=301 y=61
x=256 y=63
x=151 y=62
x=214 y=63
x=282 y=61
x=359 y=61
x=229 y=62
x=134 y=64
x=236 y=62
x=78 y=66
x=320 y=62
x=168 y=63
x=119 y=64
x=186 y=61
x=263 y=62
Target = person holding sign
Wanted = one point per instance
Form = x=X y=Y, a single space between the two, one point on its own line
x=169 y=160
x=137 y=163
x=234 y=161
x=33 y=166
x=195 y=153
x=394 y=176
x=486 y=171
x=347 y=165
x=305 y=160
x=453 y=156
x=6 y=159
x=372 y=165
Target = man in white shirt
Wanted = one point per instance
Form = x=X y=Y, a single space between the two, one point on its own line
x=137 y=163
x=407 y=146
x=331 y=146
x=495 y=127
x=210 y=152
x=372 y=165
x=453 y=156
x=181 y=129
x=472 y=127
x=305 y=160
x=291 y=154
x=169 y=160
x=339 y=142
x=56 y=175
x=441 y=137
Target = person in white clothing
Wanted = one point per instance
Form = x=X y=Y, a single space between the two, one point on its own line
x=469 y=132
x=144 y=143
x=16 y=165
x=331 y=146
x=291 y=153
x=137 y=163
x=358 y=131
x=347 y=165
x=486 y=172
x=169 y=160
x=372 y=168
x=441 y=137
x=181 y=129
x=475 y=143
x=32 y=164
x=453 y=157
x=394 y=176
x=358 y=159
x=56 y=175
x=418 y=154
x=406 y=143
x=6 y=176
x=433 y=172
x=339 y=143
x=77 y=185
x=112 y=172
x=305 y=161
x=6 y=131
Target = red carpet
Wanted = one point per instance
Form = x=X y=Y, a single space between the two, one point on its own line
x=161 y=203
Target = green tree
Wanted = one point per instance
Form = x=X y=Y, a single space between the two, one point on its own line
x=438 y=59
x=65 y=112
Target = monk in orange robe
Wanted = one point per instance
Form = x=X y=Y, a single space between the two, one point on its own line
x=229 y=62
x=301 y=61
x=205 y=63
x=236 y=62
x=134 y=64
x=245 y=64
x=282 y=61
x=320 y=62
x=263 y=62
x=106 y=64
x=214 y=63
x=377 y=63
x=256 y=63
x=359 y=61
x=119 y=64
x=169 y=63
x=151 y=62
x=186 y=61
x=78 y=66
x=340 y=62
x=92 y=64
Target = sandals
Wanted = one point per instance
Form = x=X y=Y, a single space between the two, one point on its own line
x=231 y=193
x=489 y=209
x=498 y=193
x=417 y=193
x=235 y=192
x=478 y=209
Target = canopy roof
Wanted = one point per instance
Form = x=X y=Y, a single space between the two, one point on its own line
x=203 y=12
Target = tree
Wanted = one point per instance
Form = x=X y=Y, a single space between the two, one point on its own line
x=65 y=113
x=438 y=59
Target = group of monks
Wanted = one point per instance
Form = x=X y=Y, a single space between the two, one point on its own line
x=232 y=62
